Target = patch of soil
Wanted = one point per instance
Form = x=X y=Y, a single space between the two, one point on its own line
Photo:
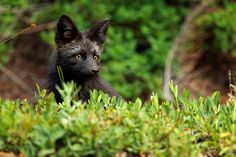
x=205 y=73
x=29 y=63
x=27 y=71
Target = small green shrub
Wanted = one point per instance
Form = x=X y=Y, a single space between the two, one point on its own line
x=106 y=127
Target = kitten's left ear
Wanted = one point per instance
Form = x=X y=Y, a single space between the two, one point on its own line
x=66 y=30
x=98 y=31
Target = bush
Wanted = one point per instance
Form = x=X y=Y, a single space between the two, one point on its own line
x=108 y=127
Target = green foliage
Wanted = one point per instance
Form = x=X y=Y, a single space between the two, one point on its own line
x=5 y=49
x=106 y=127
x=8 y=26
x=219 y=25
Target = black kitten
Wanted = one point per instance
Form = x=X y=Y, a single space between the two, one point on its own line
x=78 y=55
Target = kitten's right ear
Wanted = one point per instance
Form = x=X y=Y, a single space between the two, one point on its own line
x=66 y=30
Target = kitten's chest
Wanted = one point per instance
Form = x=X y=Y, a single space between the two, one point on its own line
x=86 y=87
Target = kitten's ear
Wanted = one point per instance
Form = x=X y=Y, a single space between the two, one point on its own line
x=98 y=31
x=66 y=30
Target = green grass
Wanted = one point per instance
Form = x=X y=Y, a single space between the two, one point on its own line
x=108 y=127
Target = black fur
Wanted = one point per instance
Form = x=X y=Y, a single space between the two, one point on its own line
x=78 y=55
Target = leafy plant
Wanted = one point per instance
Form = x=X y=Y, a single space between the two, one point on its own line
x=105 y=126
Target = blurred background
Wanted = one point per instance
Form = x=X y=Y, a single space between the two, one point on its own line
x=150 y=42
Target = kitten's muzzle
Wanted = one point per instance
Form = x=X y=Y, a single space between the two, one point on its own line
x=95 y=71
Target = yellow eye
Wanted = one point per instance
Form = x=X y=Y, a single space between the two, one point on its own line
x=78 y=56
x=95 y=57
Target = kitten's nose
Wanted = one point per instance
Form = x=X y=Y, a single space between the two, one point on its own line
x=95 y=71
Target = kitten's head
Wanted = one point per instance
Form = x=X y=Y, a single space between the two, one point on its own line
x=77 y=51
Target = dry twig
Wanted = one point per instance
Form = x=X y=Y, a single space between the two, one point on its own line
x=42 y=27
x=15 y=78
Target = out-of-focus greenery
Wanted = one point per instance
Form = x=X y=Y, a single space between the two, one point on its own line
x=108 y=127
x=138 y=40
x=139 y=37
x=219 y=26
x=8 y=25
